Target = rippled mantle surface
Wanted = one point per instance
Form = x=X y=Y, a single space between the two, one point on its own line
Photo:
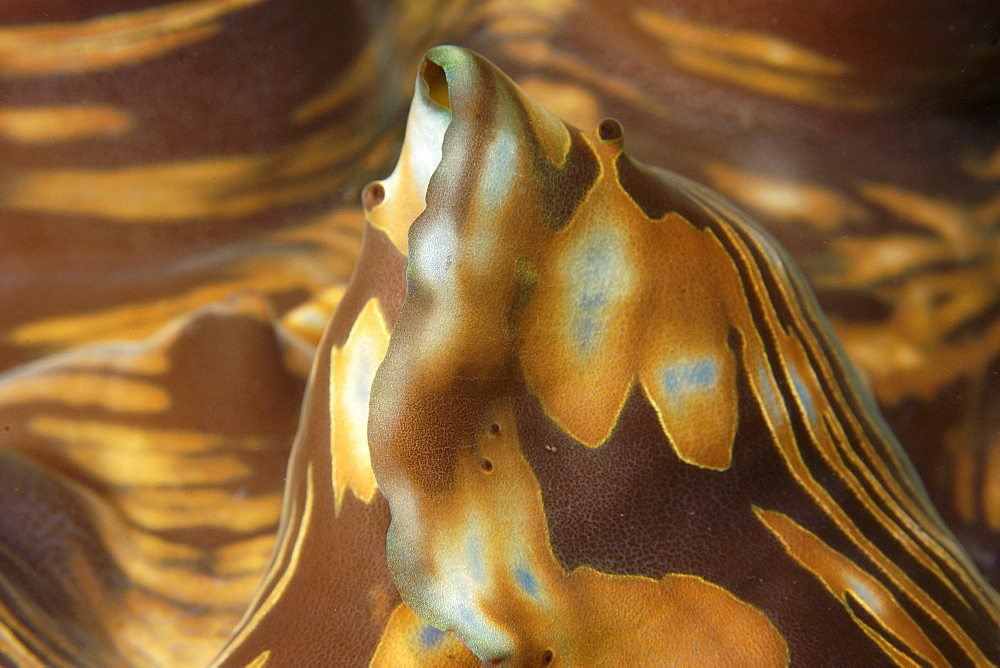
x=613 y=424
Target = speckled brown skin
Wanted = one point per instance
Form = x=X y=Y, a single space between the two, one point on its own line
x=606 y=383
x=151 y=173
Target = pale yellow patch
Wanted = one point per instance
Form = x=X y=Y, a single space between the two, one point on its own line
x=55 y=124
x=110 y=41
x=352 y=369
x=786 y=201
x=118 y=395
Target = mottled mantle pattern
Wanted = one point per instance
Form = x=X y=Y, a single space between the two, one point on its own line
x=178 y=220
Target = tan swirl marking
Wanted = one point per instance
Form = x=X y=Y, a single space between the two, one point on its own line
x=245 y=557
x=164 y=509
x=985 y=167
x=285 y=562
x=748 y=46
x=152 y=456
x=348 y=86
x=110 y=41
x=171 y=570
x=222 y=187
x=520 y=17
x=40 y=125
x=953 y=223
x=785 y=201
x=757 y=61
x=569 y=101
x=143 y=318
x=118 y=395
x=13 y=648
x=308 y=321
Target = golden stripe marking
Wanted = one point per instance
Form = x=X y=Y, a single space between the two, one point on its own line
x=121 y=358
x=162 y=193
x=54 y=124
x=751 y=47
x=349 y=85
x=195 y=633
x=34 y=624
x=133 y=441
x=293 y=535
x=130 y=456
x=787 y=201
x=139 y=320
x=174 y=571
x=506 y=18
x=14 y=649
x=246 y=556
x=226 y=186
x=986 y=167
x=833 y=447
x=949 y=220
x=309 y=320
x=841 y=577
x=757 y=61
x=260 y=660
x=111 y=41
x=118 y=395
x=775 y=415
x=166 y=509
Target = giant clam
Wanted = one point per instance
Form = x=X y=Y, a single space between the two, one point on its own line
x=143 y=478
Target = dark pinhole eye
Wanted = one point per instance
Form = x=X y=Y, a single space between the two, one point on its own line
x=487 y=465
x=609 y=129
x=372 y=195
x=547 y=657
x=495 y=428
